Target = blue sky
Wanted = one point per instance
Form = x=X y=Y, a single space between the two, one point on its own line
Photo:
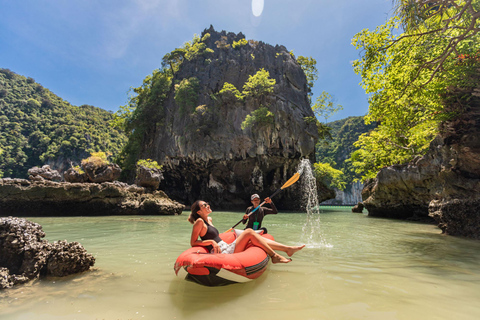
x=93 y=51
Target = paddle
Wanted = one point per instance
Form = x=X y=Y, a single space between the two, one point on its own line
x=287 y=184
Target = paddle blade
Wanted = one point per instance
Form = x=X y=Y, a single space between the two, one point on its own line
x=291 y=181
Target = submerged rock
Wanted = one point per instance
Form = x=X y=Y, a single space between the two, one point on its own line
x=358 y=208
x=25 y=256
x=21 y=197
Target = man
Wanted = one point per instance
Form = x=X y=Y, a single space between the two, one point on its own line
x=255 y=219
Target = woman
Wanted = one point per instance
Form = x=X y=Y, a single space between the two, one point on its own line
x=203 y=228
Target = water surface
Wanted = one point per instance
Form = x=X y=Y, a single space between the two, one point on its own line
x=354 y=267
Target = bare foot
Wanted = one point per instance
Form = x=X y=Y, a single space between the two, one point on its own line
x=292 y=250
x=279 y=259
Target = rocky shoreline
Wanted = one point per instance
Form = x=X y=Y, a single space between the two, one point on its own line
x=25 y=256
x=23 y=198
x=444 y=184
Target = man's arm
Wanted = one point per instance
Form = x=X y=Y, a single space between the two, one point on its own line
x=245 y=216
x=272 y=210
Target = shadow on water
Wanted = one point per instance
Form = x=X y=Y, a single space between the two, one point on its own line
x=190 y=298
x=442 y=254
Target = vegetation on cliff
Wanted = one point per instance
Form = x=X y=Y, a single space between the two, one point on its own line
x=198 y=106
x=258 y=87
x=37 y=126
x=336 y=151
x=407 y=73
x=226 y=115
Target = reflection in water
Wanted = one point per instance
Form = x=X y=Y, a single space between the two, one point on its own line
x=374 y=269
x=190 y=298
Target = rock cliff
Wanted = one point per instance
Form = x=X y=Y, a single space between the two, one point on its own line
x=26 y=198
x=445 y=183
x=205 y=152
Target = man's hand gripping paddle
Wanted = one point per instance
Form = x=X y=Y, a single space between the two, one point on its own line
x=287 y=184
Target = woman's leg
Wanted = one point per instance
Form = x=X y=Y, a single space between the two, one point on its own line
x=249 y=235
x=290 y=250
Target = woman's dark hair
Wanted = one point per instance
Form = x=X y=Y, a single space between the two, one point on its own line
x=195 y=207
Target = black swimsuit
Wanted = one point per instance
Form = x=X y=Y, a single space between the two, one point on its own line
x=211 y=234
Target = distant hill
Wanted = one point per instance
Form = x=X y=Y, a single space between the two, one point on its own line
x=344 y=133
x=37 y=127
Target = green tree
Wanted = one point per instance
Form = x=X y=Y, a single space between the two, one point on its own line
x=337 y=151
x=325 y=106
x=144 y=112
x=240 y=43
x=330 y=176
x=189 y=50
x=186 y=94
x=259 y=85
x=405 y=75
x=262 y=116
x=149 y=163
x=309 y=67
x=230 y=93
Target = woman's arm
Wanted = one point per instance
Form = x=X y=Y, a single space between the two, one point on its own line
x=194 y=241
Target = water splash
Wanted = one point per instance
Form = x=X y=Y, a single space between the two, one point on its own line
x=312 y=234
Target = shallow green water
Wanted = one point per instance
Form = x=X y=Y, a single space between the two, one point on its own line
x=354 y=267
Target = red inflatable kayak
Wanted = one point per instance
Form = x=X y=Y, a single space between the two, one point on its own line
x=214 y=269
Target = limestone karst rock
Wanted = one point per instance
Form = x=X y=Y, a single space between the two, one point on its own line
x=44 y=173
x=148 y=177
x=204 y=151
x=26 y=198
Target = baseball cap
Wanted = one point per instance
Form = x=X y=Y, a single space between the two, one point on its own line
x=254 y=196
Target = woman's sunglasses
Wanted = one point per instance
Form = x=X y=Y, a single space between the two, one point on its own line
x=205 y=205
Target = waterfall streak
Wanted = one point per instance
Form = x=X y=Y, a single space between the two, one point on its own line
x=312 y=233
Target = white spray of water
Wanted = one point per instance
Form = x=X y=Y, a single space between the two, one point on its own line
x=312 y=233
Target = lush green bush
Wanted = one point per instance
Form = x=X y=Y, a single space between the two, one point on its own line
x=96 y=160
x=262 y=116
x=329 y=176
x=189 y=50
x=78 y=169
x=309 y=67
x=186 y=95
x=259 y=85
x=239 y=43
x=196 y=47
x=149 y=163
x=230 y=93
